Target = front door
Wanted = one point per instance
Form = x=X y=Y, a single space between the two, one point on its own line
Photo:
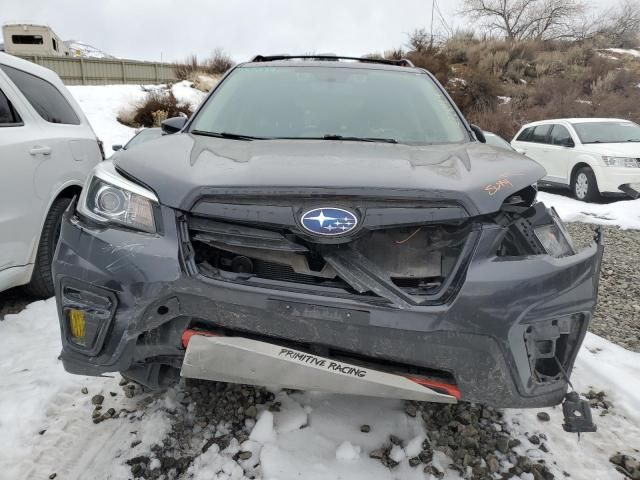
x=537 y=148
x=559 y=154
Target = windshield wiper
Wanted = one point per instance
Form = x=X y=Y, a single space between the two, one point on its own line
x=230 y=136
x=358 y=139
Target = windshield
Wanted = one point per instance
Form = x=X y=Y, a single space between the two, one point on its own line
x=308 y=102
x=607 y=132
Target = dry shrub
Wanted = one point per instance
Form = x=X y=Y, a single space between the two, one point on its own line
x=550 y=63
x=430 y=58
x=157 y=105
x=394 y=54
x=495 y=62
x=579 y=54
x=500 y=121
x=184 y=70
x=603 y=84
x=600 y=66
x=479 y=91
x=218 y=63
x=159 y=117
x=456 y=47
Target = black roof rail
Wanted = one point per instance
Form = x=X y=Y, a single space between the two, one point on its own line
x=272 y=58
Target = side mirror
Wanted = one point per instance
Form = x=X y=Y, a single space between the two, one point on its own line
x=477 y=131
x=115 y=148
x=568 y=142
x=174 y=124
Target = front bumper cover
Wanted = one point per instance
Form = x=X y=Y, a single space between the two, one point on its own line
x=482 y=337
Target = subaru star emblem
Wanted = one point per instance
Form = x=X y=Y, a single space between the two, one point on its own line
x=329 y=221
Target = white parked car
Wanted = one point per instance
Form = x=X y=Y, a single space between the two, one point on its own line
x=592 y=156
x=47 y=149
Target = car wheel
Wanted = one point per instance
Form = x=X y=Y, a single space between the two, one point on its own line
x=41 y=284
x=585 y=185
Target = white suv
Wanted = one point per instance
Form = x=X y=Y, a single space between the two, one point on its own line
x=592 y=156
x=47 y=149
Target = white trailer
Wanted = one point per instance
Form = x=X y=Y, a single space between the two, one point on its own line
x=27 y=39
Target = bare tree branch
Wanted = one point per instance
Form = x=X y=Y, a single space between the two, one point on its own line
x=620 y=24
x=526 y=19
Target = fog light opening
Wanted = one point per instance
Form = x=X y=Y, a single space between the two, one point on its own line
x=77 y=325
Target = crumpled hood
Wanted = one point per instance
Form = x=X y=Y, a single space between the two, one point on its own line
x=182 y=167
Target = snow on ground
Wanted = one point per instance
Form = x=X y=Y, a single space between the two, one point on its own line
x=46 y=427
x=601 y=365
x=101 y=104
x=628 y=51
x=624 y=213
x=78 y=48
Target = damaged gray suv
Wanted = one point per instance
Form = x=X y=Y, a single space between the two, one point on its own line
x=326 y=223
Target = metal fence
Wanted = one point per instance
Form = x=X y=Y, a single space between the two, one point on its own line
x=105 y=71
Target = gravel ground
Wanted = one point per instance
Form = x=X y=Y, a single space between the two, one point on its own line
x=617 y=316
x=219 y=417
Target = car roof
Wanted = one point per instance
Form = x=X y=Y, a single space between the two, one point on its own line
x=364 y=65
x=574 y=120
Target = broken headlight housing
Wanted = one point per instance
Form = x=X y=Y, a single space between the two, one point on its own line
x=109 y=198
x=555 y=238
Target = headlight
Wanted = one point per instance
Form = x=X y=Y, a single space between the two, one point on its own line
x=627 y=162
x=110 y=198
x=554 y=237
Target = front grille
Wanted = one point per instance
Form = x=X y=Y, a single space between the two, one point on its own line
x=284 y=273
x=406 y=265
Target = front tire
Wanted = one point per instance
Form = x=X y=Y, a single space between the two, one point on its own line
x=41 y=284
x=585 y=186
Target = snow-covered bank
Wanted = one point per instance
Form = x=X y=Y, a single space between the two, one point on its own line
x=46 y=425
x=101 y=104
x=624 y=213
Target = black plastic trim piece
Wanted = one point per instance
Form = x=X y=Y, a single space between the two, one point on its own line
x=272 y=58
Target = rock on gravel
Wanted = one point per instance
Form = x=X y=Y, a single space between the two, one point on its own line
x=475 y=438
x=543 y=416
x=617 y=316
x=206 y=417
x=627 y=465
